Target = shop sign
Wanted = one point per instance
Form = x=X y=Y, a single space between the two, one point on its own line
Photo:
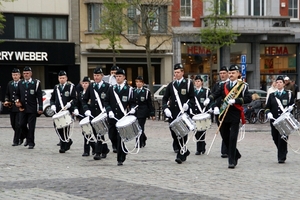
x=23 y=56
x=276 y=50
x=194 y=50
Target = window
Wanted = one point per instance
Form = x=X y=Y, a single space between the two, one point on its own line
x=225 y=7
x=293 y=8
x=256 y=7
x=134 y=18
x=40 y=27
x=185 y=8
x=156 y=16
x=94 y=13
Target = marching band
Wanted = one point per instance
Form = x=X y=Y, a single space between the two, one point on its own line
x=114 y=108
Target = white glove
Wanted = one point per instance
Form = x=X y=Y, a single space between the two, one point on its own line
x=216 y=111
x=68 y=105
x=76 y=112
x=206 y=101
x=185 y=107
x=290 y=108
x=270 y=115
x=87 y=113
x=111 y=114
x=132 y=111
x=210 y=111
x=168 y=112
x=53 y=107
x=231 y=102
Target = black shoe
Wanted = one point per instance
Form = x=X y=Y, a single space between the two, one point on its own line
x=236 y=161
x=281 y=161
x=176 y=150
x=20 y=141
x=62 y=151
x=69 y=145
x=231 y=166
x=14 y=144
x=30 y=147
x=178 y=160
x=197 y=153
x=115 y=150
x=93 y=152
x=103 y=155
x=85 y=154
x=224 y=156
x=58 y=144
x=120 y=163
x=203 y=152
x=26 y=144
x=97 y=156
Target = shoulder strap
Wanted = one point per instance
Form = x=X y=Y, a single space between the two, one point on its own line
x=119 y=102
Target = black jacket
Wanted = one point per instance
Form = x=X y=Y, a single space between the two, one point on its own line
x=201 y=96
x=10 y=95
x=144 y=102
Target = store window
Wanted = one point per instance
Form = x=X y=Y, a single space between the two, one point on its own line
x=238 y=49
x=276 y=59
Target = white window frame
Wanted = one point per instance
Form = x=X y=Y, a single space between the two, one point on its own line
x=228 y=6
x=260 y=3
x=293 y=8
x=185 y=7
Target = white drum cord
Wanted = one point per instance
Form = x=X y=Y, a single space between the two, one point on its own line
x=136 y=148
x=199 y=140
x=66 y=136
x=284 y=137
x=242 y=133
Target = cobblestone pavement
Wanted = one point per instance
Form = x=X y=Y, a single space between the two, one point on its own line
x=44 y=173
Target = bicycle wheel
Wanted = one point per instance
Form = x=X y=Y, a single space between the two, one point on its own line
x=262 y=118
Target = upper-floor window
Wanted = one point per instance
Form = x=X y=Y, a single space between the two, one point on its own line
x=41 y=27
x=185 y=8
x=293 y=8
x=225 y=7
x=132 y=24
x=256 y=7
x=156 y=18
x=94 y=16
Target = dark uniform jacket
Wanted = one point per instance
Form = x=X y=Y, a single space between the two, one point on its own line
x=185 y=93
x=233 y=113
x=67 y=94
x=286 y=99
x=10 y=95
x=30 y=95
x=142 y=98
x=126 y=98
x=90 y=96
x=218 y=101
x=201 y=96
x=79 y=104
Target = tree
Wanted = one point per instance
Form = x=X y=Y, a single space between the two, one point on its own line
x=217 y=32
x=148 y=27
x=111 y=24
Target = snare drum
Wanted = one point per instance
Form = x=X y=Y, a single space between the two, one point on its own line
x=62 y=119
x=182 y=125
x=203 y=121
x=128 y=128
x=286 y=124
x=86 y=126
x=100 y=124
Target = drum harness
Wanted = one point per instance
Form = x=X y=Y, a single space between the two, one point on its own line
x=202 y=111
x=231 y=95
x=183 y=148
x=123 y=145
x=67 y=137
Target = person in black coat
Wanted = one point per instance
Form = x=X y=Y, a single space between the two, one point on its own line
x=63 y=97
x=274 y=108
x=186 y=95
x=234 y=111
x=142 y=98
x=14 y=114
x=201 y=94
x=79 y=112
x=125 y=94
x=29 y=100
x=96 y=107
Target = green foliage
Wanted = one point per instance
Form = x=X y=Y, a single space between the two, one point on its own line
x=217 y=31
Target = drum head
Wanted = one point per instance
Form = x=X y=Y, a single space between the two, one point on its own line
x=60 y=114
x=99 y=117
x=201 y=116
x=129 y=119
x=84 y=121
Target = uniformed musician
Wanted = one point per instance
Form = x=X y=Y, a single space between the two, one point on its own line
x=63 y=97
x=234 y=93
x=186 y=95
x=277 y=102
x=223 y=74
x=96 y=107
x=142 y=98
x=124 y=93
x=10 y=97
x=201 y=94
x=79 y=111
x=111 y=78
x=29 y=100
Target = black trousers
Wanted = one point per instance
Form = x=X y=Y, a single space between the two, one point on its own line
x=223 y=146
x=280 y=143
x=143 y=136
x=14 y=121
x=116 y=140
x=87 y=146
x=229 y=132
x=64 y=133
x=200 y=145
x=27 y=124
